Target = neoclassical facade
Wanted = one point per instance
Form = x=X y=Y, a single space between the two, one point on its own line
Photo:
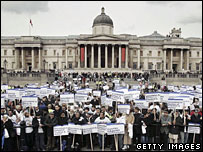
x=102 y=51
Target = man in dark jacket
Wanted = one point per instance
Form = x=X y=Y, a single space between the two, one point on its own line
x=57 y=111
x=137 y=131
x=38 y=125
x=50 y=122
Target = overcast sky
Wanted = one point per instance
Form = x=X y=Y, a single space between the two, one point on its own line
x=76 y=17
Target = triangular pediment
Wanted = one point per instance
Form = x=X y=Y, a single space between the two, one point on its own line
x=102 y=37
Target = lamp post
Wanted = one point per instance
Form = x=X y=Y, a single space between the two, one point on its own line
x=44 y=61
x=5 y=63
x=162 y=63
x=58 y=60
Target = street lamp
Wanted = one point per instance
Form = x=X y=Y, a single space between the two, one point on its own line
x=44 y=61
x=162 y=63
x=5 y=63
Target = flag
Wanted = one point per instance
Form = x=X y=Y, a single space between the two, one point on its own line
x=31 y=22
x=82 y=54
x=123 y=55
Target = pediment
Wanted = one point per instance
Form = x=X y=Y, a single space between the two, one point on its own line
x=102 y=37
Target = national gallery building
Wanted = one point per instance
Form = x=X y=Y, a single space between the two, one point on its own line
x=102 y=51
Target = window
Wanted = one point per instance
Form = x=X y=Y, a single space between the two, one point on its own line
x=45 y=52
x=190 y=54
x=197 y=66
x=150 y=65
x=159 y=66
x=174 y=53
x=135 y=52
x=134 y=65
x=190 y=66
x=150 y=53
x=54 y=52
x=13 y=63
x=13 y=52
x=141 y=65
x=5 y=52
x=198 y=54
x=54 y=65
x=29 y=52
x=70 y=65
x=63 y=52
x=70 y=52
x=159 y=53
x=141 y=53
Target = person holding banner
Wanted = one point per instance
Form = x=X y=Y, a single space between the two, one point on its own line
x=137 y=131
x=102 y=119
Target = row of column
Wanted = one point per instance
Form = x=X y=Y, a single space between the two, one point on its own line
x=17 y=58
x=99 y=56
x=181 y=60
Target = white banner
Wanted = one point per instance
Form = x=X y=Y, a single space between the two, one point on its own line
x=175 y=104
x=81 y=97
x=97 y=93
x=61 y=130
x=152 y=97
x=106 y=87
x=109 y=92
x=28 y=101
x=117 y=96
x=142 y=104
x=194 y=128
x=124 y=108
x=4 y=87
x=113 y=129
x=66 y=98
x=101 y=128
x=75 y=129
x=87 y=129
x=106 y=101
x=13 y=94
x=85 y=91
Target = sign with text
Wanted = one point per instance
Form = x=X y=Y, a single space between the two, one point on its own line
x=28 y=101
x=175 y=104
x=87 y=129
x=80 y=97
x=2 y=102
x=112 y=129
x=61 y=130
x=117 y=96
x=4 y=87
x=66 y=98
x=152 y=97
x=75 y=129
x=124 y=108
x=97 y=93
x=101 y=128
x=13 y=94
x=194 y=128
x=142 y=104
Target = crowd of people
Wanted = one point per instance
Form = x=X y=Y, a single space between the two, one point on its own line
x=31 y=128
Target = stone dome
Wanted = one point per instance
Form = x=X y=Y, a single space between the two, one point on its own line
x=103 y=19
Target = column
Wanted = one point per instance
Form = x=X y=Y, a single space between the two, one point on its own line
x=171 y=59
x=74 y=56
x=40 y=60
x=16 y=59
x=126 y=57
x=23 y=60
x=181 y=59
x=92 y=56
x=85 y=55
x=33 y=60
x=99 y=56
x=67 y=58
x=119 y=65
x=112 y=56
x=188 y=61
x=79 y=56
x=138 y=59
x=164 y=68
x=106 y=56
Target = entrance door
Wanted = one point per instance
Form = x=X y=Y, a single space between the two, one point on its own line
x=29 y=65
x=175 y=67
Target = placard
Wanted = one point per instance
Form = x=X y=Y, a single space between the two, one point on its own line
x=28 y=101
x=114 y=128
x=61 y=130
x=152 y=97
x=2 y=102
x=106 y=101
x=117 y=96
x=124 y=108
x=4 y=87
x=101 y=128
x=87 y=129
x=13 y=94
x=175 y=104
x=66 y=98
x=141 y=104
x=106 y=87
x=194 y=128
x=75 y=129
x=109 y=92
x=97 y=93
x=116 y=81
x=81 y=97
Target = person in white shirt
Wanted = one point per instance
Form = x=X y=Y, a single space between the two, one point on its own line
x=101 y=120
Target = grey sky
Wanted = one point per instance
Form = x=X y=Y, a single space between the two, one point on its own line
x=76 y=17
